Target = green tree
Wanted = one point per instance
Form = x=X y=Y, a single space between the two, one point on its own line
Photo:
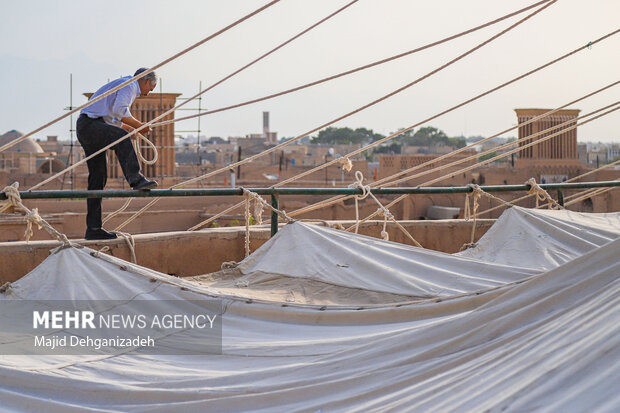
x=429 y=136
x=333 y=136
x=404 y=137
x=387 y=148
x=487 y=156
x=457 y=142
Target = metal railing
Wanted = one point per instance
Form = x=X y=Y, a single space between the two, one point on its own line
x=276 y=192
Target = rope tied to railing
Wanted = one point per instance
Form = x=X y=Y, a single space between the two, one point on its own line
x=246 y=194
x=264 y=204
x=13 y=197
x=387 y=215
x=359 y=183
x=31 y=217
x=476 y=193
x=541 y=195
x=259 y=206
x=258 y=212
x=470 y=213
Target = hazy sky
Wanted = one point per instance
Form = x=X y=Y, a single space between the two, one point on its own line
x=44 y=41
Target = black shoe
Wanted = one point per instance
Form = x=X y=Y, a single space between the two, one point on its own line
x=143 y=184
x=98 y=233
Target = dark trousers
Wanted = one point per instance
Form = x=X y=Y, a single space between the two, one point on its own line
x=93 y=135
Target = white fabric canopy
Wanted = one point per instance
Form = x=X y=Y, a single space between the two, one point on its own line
x=542 y=238
x=550 y=342
x=342 y=258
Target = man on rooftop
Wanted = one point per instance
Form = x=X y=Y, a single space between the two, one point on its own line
x=105 y=122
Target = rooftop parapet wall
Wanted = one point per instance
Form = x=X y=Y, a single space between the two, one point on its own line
x=186 y=253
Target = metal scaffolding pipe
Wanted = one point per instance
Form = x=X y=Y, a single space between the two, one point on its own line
x=153 y=193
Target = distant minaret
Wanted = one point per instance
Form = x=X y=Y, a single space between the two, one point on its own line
x=266 y=126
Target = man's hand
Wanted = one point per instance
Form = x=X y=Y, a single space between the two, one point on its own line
x=135 y=123
x=146 y=130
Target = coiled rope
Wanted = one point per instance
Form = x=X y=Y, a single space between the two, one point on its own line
x=144 y=161
x=136 y=146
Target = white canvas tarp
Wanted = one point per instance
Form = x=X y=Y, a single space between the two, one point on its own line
x=543 y=239
x=549 y=342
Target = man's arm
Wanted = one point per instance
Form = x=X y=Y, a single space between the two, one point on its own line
x=134 y=123
x=120 y=108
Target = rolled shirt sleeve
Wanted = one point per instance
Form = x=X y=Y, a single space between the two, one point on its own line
x=115 y=106
x=123 y=101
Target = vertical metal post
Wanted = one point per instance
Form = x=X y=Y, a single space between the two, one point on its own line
x=274 y=215
x=198 y=131
x=560 y=197
x=239 y=160
x=70 y=160
x=162 y=150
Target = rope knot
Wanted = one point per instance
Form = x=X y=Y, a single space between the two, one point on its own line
x=258 y=210
x=541 y=194
x=387 y=215
x=476 y=193
x=359 y=183
x=476 y=190
x=12 y=193
x=32 y=217
x=258 y=205
x=13 y=197
x=383 y=211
